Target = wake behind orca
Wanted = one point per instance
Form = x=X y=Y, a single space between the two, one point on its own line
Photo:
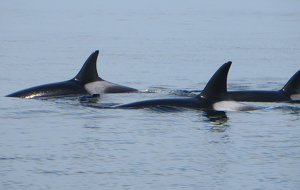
x=87 y=81
x=213 y=97
x=290 y=92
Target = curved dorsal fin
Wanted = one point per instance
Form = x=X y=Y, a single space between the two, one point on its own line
x=88 y=72
x=293 y=85
x=216 y=88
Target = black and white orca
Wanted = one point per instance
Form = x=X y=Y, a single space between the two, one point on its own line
x=87 y=81
x=213 y=97
x=290 y=92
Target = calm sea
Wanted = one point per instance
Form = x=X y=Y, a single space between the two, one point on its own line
x=165 y=49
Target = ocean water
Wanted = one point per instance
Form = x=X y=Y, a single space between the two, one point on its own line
x=166 y=49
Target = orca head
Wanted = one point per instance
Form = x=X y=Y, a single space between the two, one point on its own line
x=292 y=87
x=215 y=95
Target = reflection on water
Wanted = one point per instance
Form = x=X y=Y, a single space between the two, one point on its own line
x=218 y=119
x=294 y=110
x=170 y=49
x=215 y=116
x=90 y=98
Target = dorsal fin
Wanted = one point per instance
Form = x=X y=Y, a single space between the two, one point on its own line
x=88 y=72
x=216 y=88
x=293 y=85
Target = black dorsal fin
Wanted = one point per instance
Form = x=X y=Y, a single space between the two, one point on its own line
x=216 y=88
x=293 y=85
x=88 y=72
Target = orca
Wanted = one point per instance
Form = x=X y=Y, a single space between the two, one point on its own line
x=87 y=81
x=290 y=92
x=213 y=97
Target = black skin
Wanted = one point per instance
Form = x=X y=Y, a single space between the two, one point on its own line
x=214 y=91
x=75 y=86
x=65 y=88
x=196 y=102
x=259 y=96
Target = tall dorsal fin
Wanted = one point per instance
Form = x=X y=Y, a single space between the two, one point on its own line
x=293 y=85
x=216 y=88
x=88 y=72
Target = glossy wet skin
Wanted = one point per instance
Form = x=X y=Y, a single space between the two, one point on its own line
x=85 y=82
x=54 y=89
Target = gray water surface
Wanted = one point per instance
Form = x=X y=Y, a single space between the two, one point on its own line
x=166 y=49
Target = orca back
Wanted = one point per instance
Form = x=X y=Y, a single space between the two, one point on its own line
x=65 y=88
x=293 y=85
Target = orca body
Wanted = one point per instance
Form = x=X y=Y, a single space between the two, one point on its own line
x=213 y=97
x=290 y=92
x=85 y=82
